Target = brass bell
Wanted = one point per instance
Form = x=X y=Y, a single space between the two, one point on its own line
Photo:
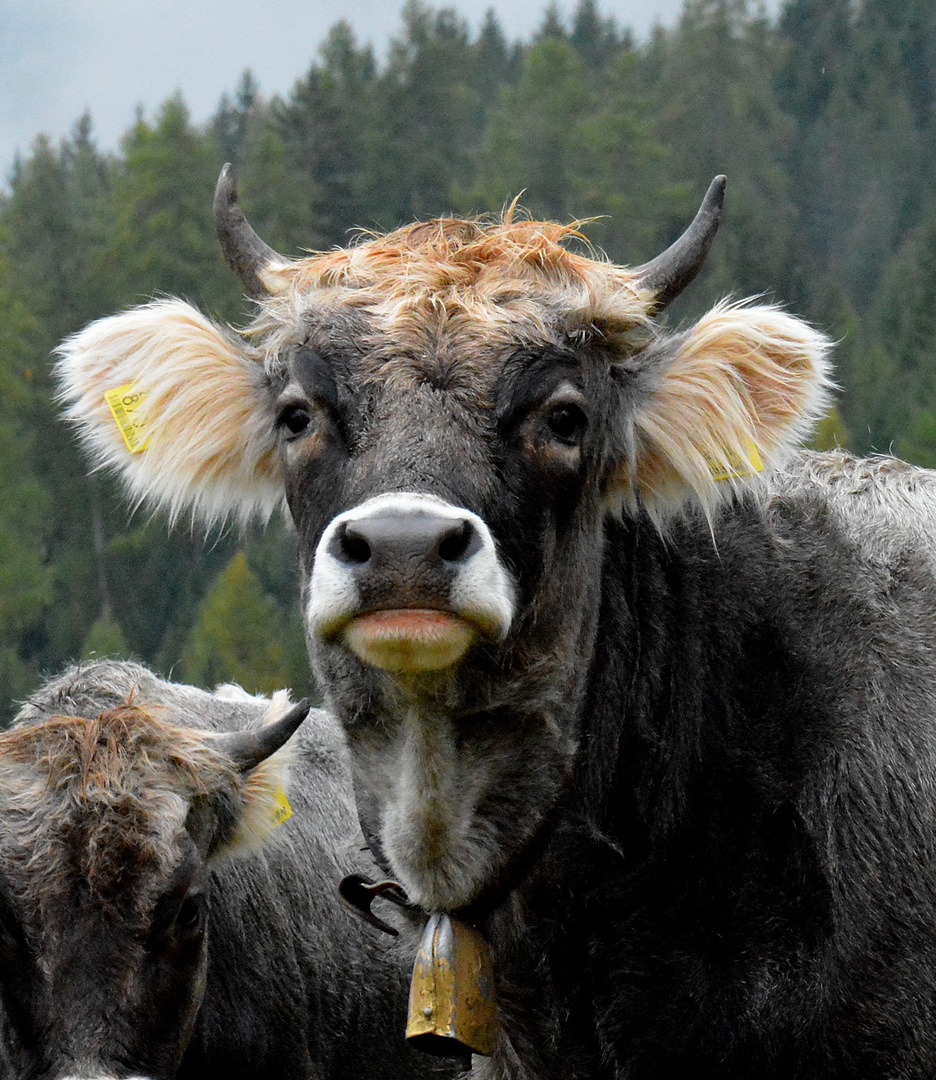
x=452 y=1008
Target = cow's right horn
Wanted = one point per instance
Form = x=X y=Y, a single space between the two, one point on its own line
x=246 y=254
x=247 y=749
x=670 y=272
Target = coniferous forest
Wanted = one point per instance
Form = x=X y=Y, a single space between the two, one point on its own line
x=824 y=119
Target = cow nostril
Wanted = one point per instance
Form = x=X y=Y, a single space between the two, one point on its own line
x=409 y=540
x=459 y=542
x=349 y=546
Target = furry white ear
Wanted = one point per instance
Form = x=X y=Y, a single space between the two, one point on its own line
x=169 y=401
x=266 y=804
x=720 y=405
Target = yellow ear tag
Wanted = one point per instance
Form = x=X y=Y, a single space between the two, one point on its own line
x=124 y=402
x=281 y=811
x=733 y=467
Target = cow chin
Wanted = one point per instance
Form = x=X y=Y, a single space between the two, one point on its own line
x=406 y=642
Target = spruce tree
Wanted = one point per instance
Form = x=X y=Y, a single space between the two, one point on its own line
x=238 y=635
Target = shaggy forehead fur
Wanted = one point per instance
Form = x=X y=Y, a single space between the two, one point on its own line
x=104 y=799
x=496 y=277
x=447 y=303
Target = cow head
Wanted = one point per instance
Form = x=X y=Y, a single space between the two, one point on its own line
x=108 y=827
x=450 y=412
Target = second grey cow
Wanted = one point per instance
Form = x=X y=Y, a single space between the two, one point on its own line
x=167 y=910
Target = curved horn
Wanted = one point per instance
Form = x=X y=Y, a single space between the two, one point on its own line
x=670 y=272
x=247 y=749
x=246 y=254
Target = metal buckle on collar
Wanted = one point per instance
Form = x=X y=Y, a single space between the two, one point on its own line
x=359 y=892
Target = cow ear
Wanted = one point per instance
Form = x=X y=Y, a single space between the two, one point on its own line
x=718 y=407
x=177 y=408
x=264 y=804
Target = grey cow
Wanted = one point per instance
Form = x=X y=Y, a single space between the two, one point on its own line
x=630 y=682
x=161 y=914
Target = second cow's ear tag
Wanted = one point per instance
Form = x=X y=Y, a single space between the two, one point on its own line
x=280 y=810
x=452 y=1008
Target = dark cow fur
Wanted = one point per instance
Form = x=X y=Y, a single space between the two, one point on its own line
x=627 y=679
x=155 y=923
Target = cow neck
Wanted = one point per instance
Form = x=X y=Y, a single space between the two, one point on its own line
x=480 y=909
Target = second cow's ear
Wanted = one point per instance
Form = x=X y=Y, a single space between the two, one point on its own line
x=245 y=812
x=177 y=408
x=716 y=407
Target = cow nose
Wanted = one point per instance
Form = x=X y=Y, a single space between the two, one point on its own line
x=408 y=582
x=405 y=539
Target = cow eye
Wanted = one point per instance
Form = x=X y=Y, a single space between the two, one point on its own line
x=295 y=419
x=190 y=918
x=567 y=423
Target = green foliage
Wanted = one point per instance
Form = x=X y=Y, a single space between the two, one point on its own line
x=595 y=38
x=918 y=442
x=105 y=638
x=160 y=205
x=903 y=342
x=713 y=79
x=430 y=111
x=535 y=139
x=238 y=635
x=831 y=432
x=26 y=578
x=329 y=132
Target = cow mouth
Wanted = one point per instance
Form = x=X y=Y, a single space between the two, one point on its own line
x=409 y=640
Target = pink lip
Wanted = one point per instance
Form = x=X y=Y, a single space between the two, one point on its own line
x=410 y=640
x=405 y=623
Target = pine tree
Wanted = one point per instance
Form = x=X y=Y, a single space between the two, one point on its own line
x=594 y=37
x=26 y=579
x=238 y=635
x=105 y=638
x=231 y=118
x=329 y=132
x=429 y=112
x=905 y=332
x=552 y=25
x=817 y=41
x=535 y=141
x=717 y=114
x=163 y=238
x=494 y=62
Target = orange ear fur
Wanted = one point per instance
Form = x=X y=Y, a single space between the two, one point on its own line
x=735 y=398
x=204 y=417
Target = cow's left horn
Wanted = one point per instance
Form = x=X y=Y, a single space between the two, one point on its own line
x=669 y=273
x=247 y=749
x=246 y=254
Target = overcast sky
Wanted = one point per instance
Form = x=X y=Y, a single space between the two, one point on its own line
x=60 y=57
